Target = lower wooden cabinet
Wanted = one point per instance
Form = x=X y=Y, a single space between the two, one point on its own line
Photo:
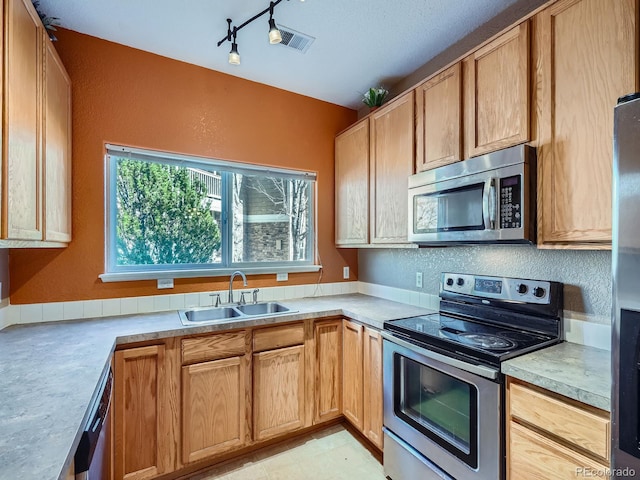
x=352 y=378
x=372 y=386
x=550 y=436
x=213 y=408
x=186 y=402
x=278 y=392
x=141 y=413
x=362 y=379
x=328 y=370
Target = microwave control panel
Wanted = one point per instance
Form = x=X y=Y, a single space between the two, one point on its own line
x=511 y=202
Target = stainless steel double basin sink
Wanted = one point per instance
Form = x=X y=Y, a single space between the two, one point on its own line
x=227 y=313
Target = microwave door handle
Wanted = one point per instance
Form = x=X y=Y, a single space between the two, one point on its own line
x=489 y=205
x=493 y=204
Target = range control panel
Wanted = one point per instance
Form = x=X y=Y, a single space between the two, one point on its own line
x=502 y=288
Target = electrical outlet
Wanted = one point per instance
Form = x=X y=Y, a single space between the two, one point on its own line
x=345 y=273
x=282 y=277
x=419 y=279
x=165 y=283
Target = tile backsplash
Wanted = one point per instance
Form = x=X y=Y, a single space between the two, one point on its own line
x=576 y=329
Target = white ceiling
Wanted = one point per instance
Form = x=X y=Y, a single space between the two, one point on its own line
x=358 y=43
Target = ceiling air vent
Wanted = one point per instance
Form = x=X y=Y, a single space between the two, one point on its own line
x=296 y=40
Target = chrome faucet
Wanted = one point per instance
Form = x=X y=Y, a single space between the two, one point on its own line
x=233 y=275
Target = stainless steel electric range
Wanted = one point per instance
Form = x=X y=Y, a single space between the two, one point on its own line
x=443 y=390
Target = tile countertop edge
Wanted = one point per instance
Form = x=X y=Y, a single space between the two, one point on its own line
x=576 y=371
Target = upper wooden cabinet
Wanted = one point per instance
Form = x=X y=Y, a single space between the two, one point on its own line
x=496 y=93
x=439 y=120
x=352 y=185
x=373 y=160
x=22 y=165
x=57 y=148
x=36 y=153
x=391 y=160
x=586 y=56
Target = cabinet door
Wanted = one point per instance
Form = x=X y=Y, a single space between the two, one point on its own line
x=586 y=56
x=372 y=386
x=213 y=408
x=278 y=391
x=530 y=455
x=352 y=402
x=22 y=196
x=439 y=120
x=392 y=160
x=57 y=148
x=352 y=185
x=328 y=370
x=496 y=84
x=141 y=413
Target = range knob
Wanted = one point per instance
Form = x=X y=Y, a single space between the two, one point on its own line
x=538 y=292
x=521 y=288
x=449 y=281
x=460 y=281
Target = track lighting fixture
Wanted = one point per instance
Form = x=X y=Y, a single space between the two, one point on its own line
x=274 y=33
x=234 y=56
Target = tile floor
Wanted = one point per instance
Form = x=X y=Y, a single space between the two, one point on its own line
x=330 y=454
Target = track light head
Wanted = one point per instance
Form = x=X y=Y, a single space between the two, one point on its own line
x=274 y=34
x=234 y=56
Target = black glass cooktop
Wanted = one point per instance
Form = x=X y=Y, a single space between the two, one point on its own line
x=468 y=338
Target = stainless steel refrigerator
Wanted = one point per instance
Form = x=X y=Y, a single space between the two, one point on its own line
x=625 y=347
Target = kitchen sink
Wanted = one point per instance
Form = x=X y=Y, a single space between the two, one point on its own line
x=209 y=315
x=262 y=308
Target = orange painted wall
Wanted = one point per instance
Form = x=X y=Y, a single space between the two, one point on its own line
x=130 y=97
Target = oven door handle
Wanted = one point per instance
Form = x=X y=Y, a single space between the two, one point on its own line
x=481 y=370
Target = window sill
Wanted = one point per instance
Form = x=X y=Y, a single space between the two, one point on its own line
x=223 y=272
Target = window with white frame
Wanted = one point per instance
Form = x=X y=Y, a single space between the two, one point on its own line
x=176 y=215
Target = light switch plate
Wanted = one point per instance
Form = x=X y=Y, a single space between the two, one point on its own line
x=345 y=273
x=419 y=279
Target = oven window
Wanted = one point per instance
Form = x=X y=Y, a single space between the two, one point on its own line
x=449 y=210
x=438 y=405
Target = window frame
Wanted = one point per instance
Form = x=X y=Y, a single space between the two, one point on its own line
x=114 y=272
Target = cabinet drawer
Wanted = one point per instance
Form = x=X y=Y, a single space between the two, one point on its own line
x=213 y=347
x=534 y=456
x=278 y=337
x=583 y=426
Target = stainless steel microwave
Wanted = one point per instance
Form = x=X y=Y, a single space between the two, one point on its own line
x=485 y=199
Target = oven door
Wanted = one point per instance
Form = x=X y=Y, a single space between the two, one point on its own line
x=447 y=414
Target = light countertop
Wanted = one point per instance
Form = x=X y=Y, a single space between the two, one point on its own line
x=49 y=372
x=575 y=371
